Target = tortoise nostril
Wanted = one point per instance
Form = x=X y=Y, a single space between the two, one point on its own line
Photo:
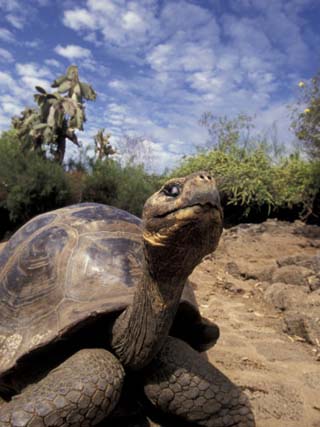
x=205 y=177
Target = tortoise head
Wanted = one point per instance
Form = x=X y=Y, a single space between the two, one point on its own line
x=183 y=221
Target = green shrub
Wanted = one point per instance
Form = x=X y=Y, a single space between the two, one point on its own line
x=29 y=184
x=101 y=185
x=135 y=186
x=76 y=179
x=124 y=187
x=249 y=179
x=243 y=177
x=296 y=182
x=306 y=116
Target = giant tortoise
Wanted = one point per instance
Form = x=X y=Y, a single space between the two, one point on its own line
x=90 y=295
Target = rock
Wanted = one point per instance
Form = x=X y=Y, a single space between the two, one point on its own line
x=233 y=269
x=295 y=325
x=315 y=243
x=314 y=282
x=310 y=231
x=305 y=325
x=311 y=262
x=306 y=261
x=234 y=288
x=284 y=297
x=247 y=271
x=292 y=275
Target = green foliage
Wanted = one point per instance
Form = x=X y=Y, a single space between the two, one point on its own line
x=296 y=182
x=306 y=123
x=70 y=84
x=56 y=117
x=29 y=184
x=125 y=187
x=243 y=177
x=251 y=180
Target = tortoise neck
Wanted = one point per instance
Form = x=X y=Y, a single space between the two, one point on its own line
x=139 y=332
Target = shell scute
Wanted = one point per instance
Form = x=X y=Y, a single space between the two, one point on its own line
x=63 y=268
x=24 y=233
x=30 y=285
x=97 y=212
x=101 y=265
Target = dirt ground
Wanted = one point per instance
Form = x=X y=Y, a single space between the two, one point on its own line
x=262 y=287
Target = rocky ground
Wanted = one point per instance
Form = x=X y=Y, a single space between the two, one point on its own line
x=262 y=287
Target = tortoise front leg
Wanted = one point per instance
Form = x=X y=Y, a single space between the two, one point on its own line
x=180 y=382
x=80 y=392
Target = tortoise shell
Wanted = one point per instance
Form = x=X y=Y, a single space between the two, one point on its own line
x=63 y=268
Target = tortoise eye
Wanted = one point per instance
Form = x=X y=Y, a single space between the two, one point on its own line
x=172 y=190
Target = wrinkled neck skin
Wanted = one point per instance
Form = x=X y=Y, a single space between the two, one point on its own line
x=139 y=332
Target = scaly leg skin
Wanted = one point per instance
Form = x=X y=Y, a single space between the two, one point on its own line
x=80 y=392
x=180 y=382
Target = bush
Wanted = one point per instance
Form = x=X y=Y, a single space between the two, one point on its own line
x=243 y=177
x=29 y=184
x=253 y=187
x=296 y=183
x=306 y=116
x=125 y=187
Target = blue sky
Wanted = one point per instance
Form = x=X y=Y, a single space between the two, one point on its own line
x=157 y=65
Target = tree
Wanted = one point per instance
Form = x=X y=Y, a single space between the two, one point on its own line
x=57 y=116
x=306 y=116
x=225 y=132
x=136 y=150
x=102 y=144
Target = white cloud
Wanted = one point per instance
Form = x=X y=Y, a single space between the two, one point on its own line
x=10 y=105
x=6 y=35
x=19 y=13
x=31 y=82
x=33 y=70
x=117 y=108
x=33 y=44
x=118 y=85
x=72 y=51
x=123 y=24
x=103 y=6
x=207 y=82
x=177 y=56
x=276 y=116
x=190 y=20
x=78 y=19
x=5 y=55
x=18 y=87
x=9 y=6
x=32 y=75
x=132 y=21
x=5 y=79
x=15 y=20
x=52 y=63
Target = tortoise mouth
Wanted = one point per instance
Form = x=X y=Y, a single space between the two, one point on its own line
x=196 y=208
